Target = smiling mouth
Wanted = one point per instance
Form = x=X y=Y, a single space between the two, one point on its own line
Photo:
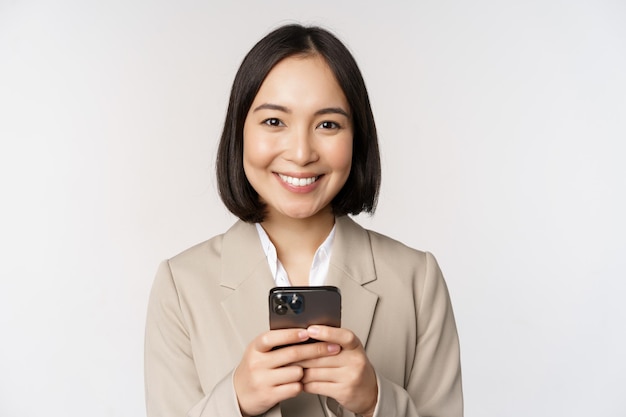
x=298 y=182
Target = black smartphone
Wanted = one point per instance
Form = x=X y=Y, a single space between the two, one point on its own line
x=301 y=307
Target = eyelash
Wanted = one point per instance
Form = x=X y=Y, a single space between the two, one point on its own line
x=334 y=125
x=275 y=122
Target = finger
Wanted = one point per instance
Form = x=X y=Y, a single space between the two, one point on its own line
x=361 y=402
x=324 y=362
x=282 y=392
x=285 y=375
x=275 y=338
x=271 y=397
x=343 y=337
x=325 y=388
x=319 y=375
x=298 y=353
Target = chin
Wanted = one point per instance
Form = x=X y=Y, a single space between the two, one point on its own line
x=300 y=214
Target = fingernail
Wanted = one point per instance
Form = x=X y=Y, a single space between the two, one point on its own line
x=333 y=348
x=313 y=331
x=303 y=334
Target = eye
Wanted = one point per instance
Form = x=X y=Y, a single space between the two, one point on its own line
x=329 y=125
x=273 y=122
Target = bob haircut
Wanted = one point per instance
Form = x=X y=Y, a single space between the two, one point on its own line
x=360 y=192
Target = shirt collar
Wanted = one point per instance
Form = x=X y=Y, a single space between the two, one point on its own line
x=319 y=267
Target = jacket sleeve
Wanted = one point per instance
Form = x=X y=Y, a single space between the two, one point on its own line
x=172 y=384
x=434 y=384
x=435 y=380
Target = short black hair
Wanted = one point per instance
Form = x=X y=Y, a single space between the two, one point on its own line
x=360 y=192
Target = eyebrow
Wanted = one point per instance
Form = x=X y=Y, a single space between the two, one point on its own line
x=332 y=110
x=327 y=110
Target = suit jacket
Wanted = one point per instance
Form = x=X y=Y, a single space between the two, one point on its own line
x=210 y=301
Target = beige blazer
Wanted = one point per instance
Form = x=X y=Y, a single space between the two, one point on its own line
x=210 y=301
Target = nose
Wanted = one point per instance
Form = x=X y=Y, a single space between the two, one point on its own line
x=301 y=148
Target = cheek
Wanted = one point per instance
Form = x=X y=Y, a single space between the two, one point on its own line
x=257 y=155
x=250 y=156
x=256 y=150
x=341 y=155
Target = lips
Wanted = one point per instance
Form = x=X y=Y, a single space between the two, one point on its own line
x=298 y=182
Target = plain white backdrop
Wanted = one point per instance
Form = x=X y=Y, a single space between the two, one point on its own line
x=502 y=132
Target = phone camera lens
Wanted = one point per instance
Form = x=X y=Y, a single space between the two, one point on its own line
x=281 y=309
x=296 y=303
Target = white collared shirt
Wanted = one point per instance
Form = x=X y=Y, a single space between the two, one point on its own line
x=319 y=267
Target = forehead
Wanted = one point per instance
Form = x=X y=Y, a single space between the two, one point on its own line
x=302 y=81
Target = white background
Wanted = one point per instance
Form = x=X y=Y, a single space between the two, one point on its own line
x=502 y=132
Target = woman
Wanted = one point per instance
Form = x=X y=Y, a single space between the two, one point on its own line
x=298 y=154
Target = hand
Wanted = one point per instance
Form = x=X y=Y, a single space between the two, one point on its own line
x=264 y=377
x=348 y=377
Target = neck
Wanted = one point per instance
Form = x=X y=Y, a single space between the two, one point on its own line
x=299 y=234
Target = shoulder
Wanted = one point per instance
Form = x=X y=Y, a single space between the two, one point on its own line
x=393 y=257
x=202 y=275
x=205 y=261
x=199 y=253
x=213 y=248
x=382 y=246
x=391 y=260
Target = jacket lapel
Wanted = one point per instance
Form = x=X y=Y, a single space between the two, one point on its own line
x=246 y=272
x=352 y=266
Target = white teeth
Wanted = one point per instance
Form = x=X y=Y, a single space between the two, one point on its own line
x=298 y=182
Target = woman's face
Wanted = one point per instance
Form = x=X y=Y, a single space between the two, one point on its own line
x=297 y=139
